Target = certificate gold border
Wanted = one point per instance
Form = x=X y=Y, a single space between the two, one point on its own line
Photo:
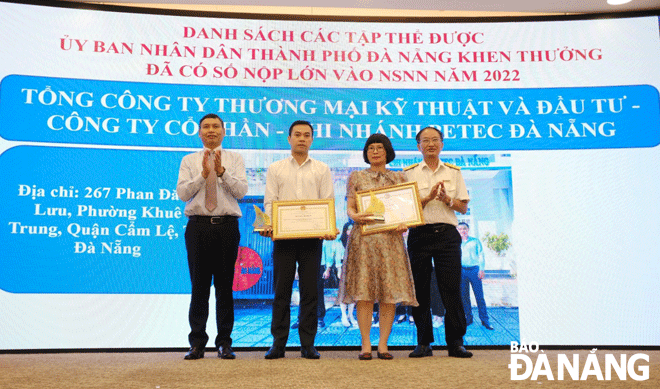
x=368 y=229
x=279 y=233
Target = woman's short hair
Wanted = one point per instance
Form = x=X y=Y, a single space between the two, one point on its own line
x=385 y=141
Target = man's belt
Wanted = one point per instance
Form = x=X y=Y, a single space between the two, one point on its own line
x=212 y=219
x=433 y=226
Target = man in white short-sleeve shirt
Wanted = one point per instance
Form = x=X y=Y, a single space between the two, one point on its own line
x=297 y=177
x=443 y=192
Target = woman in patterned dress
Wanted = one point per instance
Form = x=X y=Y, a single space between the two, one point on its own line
x=376 y=267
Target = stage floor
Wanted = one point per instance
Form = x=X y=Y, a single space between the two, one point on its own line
x=252 y=329
x=337 y=369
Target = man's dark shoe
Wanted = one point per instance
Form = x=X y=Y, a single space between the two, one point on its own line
x=488 y=326
x=309 y=353
x=295 y=325
x=195 y=353
x=459 y=352
x=422 y=351
x=274 y=353
x=225 y=352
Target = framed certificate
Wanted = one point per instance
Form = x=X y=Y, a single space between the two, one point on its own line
x=401 y=205
x=303 y=219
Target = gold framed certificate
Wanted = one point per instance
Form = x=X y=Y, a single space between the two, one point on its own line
x=400 y=204
x=304 y=219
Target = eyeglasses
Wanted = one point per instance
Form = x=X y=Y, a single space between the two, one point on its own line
x=374 y=148
x=427 y=141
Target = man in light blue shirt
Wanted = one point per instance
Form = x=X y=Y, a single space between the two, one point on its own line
x=211 y=181
x=473 y=263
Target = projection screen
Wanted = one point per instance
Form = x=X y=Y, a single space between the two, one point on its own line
x=554 y=123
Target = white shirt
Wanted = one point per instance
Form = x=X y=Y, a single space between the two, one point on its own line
x=232 y=185
x=287 y=181
x=436 y=211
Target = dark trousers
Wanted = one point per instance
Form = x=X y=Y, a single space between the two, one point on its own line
x=212 y=251
x=442 y=244
x=471 y=276
x=286 y=254
x=436 y=302
x=320 y=306
x=320 y=291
